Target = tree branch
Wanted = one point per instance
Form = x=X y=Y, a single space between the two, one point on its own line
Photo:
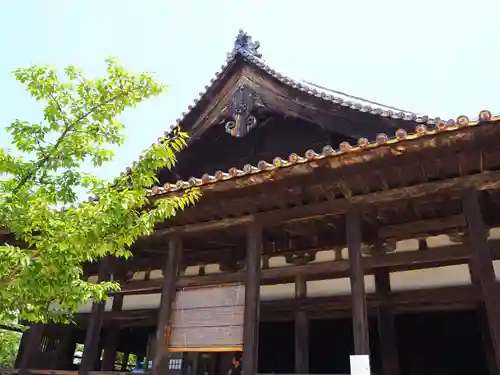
x=68 y=128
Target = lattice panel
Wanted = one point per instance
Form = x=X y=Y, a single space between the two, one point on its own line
x=206 y=337
x=208 y=317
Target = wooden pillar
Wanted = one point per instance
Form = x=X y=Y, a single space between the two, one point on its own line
x=110 y=349
x=170 y=276
x=31 y=348
x=252 y=297
x=483 y=326
x=150 y=351
x=301 y=329
x=65 y=348
x=386 y=325
x=112 y=337
x=21 y=349
x=481 y=264
x=359 y=315
x=93 y=334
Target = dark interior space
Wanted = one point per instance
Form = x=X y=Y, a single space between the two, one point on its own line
x=431 y=343
x=441 y=343
x=331 y=343
x=276 y=348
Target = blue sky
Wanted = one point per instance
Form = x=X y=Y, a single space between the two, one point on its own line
x=432 y=57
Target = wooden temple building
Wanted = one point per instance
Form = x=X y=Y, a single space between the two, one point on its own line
x=329 y=225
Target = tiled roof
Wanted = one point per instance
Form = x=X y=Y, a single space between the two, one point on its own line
x=245 y=48
x=328 y=151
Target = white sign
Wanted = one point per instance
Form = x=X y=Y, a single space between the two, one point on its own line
x=360 y=364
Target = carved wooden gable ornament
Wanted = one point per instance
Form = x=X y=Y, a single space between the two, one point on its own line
x=244 y=101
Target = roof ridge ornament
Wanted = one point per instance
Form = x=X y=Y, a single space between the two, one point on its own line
x=243 y=42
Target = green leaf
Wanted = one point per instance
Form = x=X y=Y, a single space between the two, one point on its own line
x=54 y=235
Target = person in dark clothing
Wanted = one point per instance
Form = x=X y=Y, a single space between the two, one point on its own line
x=235 y=367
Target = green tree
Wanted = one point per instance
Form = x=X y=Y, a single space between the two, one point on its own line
x=52 y=234
x=9 y=344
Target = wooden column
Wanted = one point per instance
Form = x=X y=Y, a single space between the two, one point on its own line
x=252 y=297
x=359 y=315
x=170 y=276
x=65 y=348
x=112 y=337
x=93 y=334
x=301 y=329
x=31 y=348
x=21 y=349
x=481 y=264
x=483 y=326
x=386 y=327
x=150 y=351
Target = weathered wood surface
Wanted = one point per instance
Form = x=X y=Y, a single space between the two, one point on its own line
x=112 y=337
x=309 y=240
x=208 y=317
x=31 y=347
x=386 y=324
x=482 y=181
x=422 y=227
x=207 y=337
x=482 y=267
x=435 y=299
x=93 y=334
x=301 y=329
x=420 y=150
x=252 y=298
x=454 y=254
x=171 y=272
x=360 y=328
x=229 y=295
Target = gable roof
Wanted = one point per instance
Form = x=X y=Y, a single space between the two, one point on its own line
x=246 y=51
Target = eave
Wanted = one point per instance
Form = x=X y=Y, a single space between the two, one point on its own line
x=244 y=65
x=442 y=135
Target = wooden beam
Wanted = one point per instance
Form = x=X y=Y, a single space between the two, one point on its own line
x=252 y=294
x=301 y=329
x=406 y=260
x=481 y=181
x=356 y=275
x=170 y=274
x=422 y=227
x=399 y=231
x=423 y=148
x=415 y=298
x=482 y=267
x=439 y=298
x=93 y=334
